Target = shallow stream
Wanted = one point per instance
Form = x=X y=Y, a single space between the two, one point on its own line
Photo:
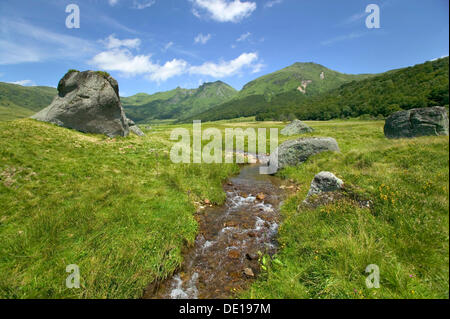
x=225 y=255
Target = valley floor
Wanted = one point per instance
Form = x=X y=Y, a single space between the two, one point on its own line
x=122 y=211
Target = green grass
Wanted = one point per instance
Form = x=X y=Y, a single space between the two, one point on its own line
x=119 y=209
x=18 y=101
x=324 y=251
x=123 y=212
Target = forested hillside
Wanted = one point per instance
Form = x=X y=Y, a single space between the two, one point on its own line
x=413 y=87
x=378 y=96
x=178 y=103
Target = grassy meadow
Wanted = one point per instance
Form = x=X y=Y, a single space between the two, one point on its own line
x=122 y=211
x=325 y=251
x=118 y=208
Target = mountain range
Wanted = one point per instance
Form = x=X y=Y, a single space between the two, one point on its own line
x=377 y=95
x=302 y=90
x=178 y=103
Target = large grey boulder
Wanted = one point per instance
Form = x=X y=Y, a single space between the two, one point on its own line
x=417 y=122
x=88 y=102
x=294 y=152
x=296 y=127
x=325 y=182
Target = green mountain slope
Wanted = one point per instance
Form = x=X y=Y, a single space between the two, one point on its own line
x=421 y=85
x=18 y=101
x=298 y=81
x=311 y=78
x=376 y=95
x=177 y=104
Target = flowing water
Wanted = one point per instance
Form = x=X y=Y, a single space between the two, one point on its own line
x=225 y=254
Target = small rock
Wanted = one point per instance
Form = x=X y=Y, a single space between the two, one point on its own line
x=325 y=188
x=296 y=127
x=325 y=182
x=260 y=196
x=249 y=272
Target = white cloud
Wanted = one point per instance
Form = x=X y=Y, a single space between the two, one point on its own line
x=257 y=67
x=196 y=13
x=270 y=4
x=202 y=38
x=224 y=10
x=24 y=83
x=168 y=70
x=119 y=57
x=137 y=4
x=355 y=17
x=226 y=68
x=110 y=22
x=122 y=60
x=244 y=37
x=353 y=35
x=112 y=42
x=21 y=42
x=167 y=46
x=142 y=4
x=12 y=53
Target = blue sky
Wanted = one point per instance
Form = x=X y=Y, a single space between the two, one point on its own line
x=157 y=45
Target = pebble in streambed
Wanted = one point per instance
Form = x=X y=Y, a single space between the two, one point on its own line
x=225 y=254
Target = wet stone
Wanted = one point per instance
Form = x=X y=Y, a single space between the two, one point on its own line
x=249 y=272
